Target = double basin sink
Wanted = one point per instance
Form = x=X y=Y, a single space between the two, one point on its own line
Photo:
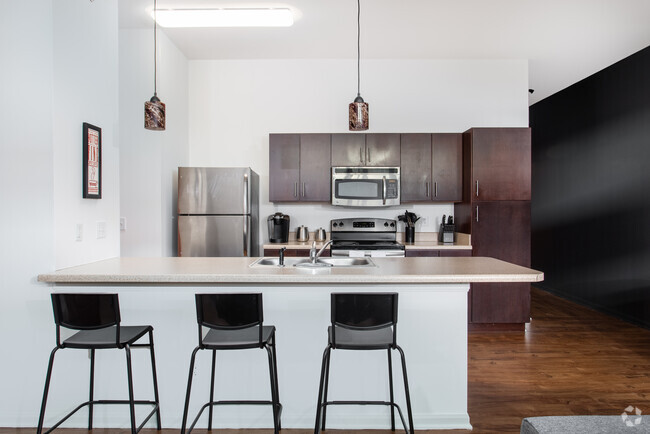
x=320 y=262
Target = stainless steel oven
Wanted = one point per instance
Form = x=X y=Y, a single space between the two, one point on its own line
x=357 y=237
x=365 y=186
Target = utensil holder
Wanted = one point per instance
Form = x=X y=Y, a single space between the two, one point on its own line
x=409 y=234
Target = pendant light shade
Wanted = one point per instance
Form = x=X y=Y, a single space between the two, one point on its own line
x=358 y=110
x=154 y=109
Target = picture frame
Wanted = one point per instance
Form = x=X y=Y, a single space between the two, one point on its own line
x=92 y=161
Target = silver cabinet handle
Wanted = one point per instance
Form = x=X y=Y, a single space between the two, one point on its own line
x=383 y=194
x=303 y=189
x=295 y=189
x=435 y=184
x=245 y=193
x=361 y=155
x=476 y=213
x=427 y=187
x=477 y=188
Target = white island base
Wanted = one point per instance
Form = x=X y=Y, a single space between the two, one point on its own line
x=432 y=330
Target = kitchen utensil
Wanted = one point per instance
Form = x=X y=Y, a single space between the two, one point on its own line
x=302 y=233
x=320 y=234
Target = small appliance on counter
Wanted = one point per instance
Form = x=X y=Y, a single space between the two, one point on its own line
x=320 y=234
x=447 y=229
x=278 y=227
x=302 y=233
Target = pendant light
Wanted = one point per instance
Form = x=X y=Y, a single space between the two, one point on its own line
x=359 y=108
x=154 y=109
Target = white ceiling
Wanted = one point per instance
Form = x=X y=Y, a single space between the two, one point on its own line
x=563 y=40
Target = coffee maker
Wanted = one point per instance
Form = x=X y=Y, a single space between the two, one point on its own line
x=278 y=228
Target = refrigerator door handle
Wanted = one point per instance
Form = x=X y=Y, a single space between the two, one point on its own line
x=245 y=193
x=246 y=238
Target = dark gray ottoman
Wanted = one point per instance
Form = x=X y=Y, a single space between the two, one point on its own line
x=585 y=424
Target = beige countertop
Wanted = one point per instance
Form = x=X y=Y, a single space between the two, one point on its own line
x=237 y=270
x=423 y=241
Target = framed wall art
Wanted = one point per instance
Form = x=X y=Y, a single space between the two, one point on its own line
x=92 y=161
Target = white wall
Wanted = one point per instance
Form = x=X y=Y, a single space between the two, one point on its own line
x=59 y=68
x=235 y=104
x=85 y=90
x=149 y=159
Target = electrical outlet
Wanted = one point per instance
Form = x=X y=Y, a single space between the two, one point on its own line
x=79 y=232
x=101 y=230
x=122 y=224
x=424 y=221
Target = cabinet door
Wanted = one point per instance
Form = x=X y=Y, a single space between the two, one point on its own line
x=315 y=168
x=284 y=167
x=447 y=165
x=501 y=230
x=348 y=149
x=455 y=253
x=501 y=163
x=416 y=167
x=382 y=150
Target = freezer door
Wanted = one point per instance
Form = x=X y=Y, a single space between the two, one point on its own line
x=215 y=236
x=214 y=190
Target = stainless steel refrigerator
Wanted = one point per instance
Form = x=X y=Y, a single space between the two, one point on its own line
x=217 y=211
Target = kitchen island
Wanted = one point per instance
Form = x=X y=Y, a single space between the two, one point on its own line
x=432 y=330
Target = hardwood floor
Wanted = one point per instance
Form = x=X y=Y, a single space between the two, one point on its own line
x=570 y=361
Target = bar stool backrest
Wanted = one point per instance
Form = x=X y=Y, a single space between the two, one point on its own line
x=86 y=312
x=364 y=311
x=229 y=312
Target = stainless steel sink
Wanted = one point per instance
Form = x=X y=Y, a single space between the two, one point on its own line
x=320 y=263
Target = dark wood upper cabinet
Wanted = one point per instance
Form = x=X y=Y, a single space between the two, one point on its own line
x=299 y=167
x=348 y=149
x=284 y=167
x=377 y=150
x=432 y=167
x=447 y=165
x=315 y=174
x=416 y=168
x=382 y=150
x=501 y=163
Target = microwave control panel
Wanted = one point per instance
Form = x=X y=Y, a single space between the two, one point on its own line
x=392 y=189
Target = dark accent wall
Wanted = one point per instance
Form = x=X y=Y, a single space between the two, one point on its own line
x=591 y=190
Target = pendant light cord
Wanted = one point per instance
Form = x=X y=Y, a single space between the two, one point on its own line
x=155 y=60
x=358 y=47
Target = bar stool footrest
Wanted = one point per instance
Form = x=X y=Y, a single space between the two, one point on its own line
x=224 y=402
x=390 y=404
x=109 y=402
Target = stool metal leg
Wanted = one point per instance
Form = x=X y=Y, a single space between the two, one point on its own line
x=211 y=408
x=189 y=389
x=406 y=390
x=129 y=372
x=277 y=386
x=274 y=397
x=327 y=384
x=92 y=387
x=392 y=398
x=39 y=430
x=319 y=404
x=155 y=379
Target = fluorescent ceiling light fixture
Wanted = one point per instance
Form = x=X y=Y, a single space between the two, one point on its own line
x=281 y=17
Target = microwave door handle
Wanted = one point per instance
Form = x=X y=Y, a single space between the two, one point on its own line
x=383 y=193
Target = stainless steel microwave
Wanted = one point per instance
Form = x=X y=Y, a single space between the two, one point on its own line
x=365 y=186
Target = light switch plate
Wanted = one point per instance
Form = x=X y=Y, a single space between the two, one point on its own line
x=79 y=232
x=122 y=223
x=101 y=230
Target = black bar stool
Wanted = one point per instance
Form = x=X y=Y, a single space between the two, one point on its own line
x=233 y=322
x=364 y=321
x=97 y=319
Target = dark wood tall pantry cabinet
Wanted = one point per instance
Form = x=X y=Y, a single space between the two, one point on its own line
x=495 y=210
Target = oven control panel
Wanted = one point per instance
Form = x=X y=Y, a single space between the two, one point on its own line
x=363 y=225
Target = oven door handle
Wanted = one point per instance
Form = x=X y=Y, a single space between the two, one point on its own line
x=383 y=190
